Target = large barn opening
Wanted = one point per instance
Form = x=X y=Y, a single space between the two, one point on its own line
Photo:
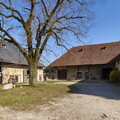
x=62 y=74
x=106 y=73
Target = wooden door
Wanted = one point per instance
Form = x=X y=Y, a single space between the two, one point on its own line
x=86 y=75
x=62 y=74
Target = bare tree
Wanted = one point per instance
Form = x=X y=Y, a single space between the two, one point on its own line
x=40 y=20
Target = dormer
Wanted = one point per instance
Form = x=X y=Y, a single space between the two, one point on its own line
x=4 y=46
x=81 y=50
x=103 y=48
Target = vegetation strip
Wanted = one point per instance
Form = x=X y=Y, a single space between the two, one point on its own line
x=25 y=97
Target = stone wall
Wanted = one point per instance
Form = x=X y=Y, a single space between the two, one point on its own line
x=94 y=71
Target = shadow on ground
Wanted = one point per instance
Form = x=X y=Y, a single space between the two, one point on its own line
x=100 y=89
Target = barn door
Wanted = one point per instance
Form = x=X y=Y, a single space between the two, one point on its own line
x=62 y=74
x=106 y=73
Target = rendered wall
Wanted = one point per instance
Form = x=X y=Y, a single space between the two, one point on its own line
x=7 y=71
x=12 y=71
x=40 y=75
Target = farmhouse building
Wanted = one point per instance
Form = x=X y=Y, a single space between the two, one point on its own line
x=88 y=62
x=13 y=65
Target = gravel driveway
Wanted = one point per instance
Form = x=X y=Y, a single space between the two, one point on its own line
x=91 y=101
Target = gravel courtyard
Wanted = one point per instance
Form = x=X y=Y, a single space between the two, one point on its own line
x=91 y=101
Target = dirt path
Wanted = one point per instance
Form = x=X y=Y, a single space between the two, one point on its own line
x=91 y=102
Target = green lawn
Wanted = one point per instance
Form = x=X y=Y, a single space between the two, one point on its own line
x=25 y=97
x=54 y=81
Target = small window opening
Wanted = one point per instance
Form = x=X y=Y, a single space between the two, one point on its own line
x=81 y=50
x=4 y=46
x=103 y=48
x=11 y=79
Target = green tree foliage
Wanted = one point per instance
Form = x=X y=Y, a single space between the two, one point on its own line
x=115 y=75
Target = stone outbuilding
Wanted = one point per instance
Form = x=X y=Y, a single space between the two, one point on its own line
x=13 y=65
x=88 y=62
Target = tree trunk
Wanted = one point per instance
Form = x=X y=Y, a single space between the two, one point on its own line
x=33 y=72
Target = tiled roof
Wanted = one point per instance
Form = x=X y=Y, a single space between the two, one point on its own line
x=11 y=54
x=90 y=55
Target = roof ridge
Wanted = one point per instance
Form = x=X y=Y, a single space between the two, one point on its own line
x=96 y=44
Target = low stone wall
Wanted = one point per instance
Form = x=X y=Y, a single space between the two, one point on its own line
x=6 y=86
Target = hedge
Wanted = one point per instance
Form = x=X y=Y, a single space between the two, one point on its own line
x=114 y=75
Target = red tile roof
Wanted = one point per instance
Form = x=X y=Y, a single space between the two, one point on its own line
x=89 y=55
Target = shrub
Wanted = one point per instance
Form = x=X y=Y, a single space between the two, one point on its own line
x=115 y=75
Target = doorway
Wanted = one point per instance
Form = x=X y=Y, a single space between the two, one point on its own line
x=62 y=74
x=106 y=73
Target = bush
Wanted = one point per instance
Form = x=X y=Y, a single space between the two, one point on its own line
x=115 y=75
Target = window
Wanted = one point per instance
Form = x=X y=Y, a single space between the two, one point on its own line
x=40 y=77
x=103 y=48
x=86 y=75
x=28 y=72
x=79 y=75
x=16 y=78
x=11 y=76
x=11 y=79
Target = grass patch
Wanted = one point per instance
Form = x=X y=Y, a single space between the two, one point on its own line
x=54 y=81
x=49 y=81
x=88 y=81
x=25 y=97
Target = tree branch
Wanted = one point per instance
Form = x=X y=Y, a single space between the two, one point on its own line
x=12 y=15
x=45 y=8
x=45 y=42
x=13 y=10
x=57 y=38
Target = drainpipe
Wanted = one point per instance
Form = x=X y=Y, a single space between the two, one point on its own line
x=1 y=76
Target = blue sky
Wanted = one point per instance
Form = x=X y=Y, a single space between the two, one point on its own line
x=107 y=22
x=106 y=28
